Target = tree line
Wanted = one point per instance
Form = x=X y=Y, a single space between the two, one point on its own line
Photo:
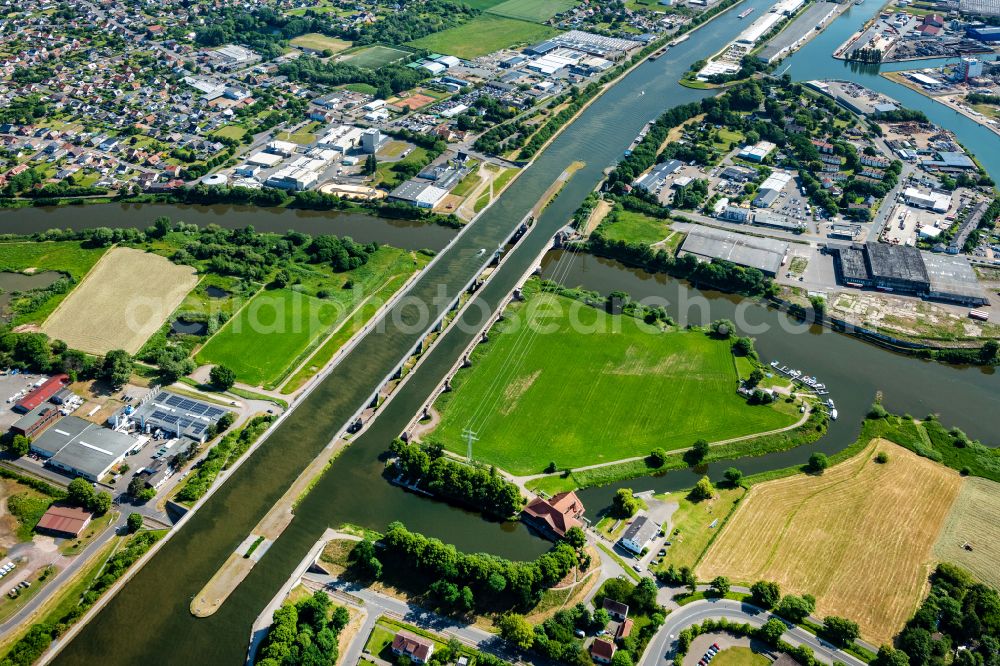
x=459 y=582
x=474 y=487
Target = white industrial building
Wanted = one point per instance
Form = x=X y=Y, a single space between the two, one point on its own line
x=757 y=152
x=266 y=160
x=759 y=28
x=341 y=138
x=421 y=195
x=939 y=202
x=291 y=178
x=283 y=148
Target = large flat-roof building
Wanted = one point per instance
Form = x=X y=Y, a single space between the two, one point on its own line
x=907 y=270
x=657 y=176
x=82 y=448
x=421 y=195
x=765 y=254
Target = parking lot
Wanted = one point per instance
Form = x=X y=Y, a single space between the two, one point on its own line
x=13 y=387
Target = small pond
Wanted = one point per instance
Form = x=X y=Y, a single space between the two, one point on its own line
x=186 y=327
x=216 y=292
x=11 y=282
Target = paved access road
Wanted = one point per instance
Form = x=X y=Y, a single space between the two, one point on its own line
x=697 y=611
x=377 y=605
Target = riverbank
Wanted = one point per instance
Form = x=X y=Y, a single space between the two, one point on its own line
x=902 y=79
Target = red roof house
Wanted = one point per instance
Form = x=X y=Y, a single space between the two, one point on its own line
x=416 y=648
x=602 y=651
x=555 y=515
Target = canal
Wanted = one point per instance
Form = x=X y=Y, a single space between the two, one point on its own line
x=148 y=622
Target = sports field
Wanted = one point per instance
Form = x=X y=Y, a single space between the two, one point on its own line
x=974 y=521
x=578 y=393
x=319 y=42
x=373 y=57
x=858 y=537
x=125 y=298
x=484 y=34
x=538 y=11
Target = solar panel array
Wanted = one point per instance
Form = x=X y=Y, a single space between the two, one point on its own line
x=190 y=417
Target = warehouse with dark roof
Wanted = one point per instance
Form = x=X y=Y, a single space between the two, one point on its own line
x=907 y=270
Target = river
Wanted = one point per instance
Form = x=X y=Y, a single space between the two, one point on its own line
x=148 y=622
x=409 y=235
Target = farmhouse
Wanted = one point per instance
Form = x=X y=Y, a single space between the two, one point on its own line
x=63 y=521
x=81 y=448
x=555 y=516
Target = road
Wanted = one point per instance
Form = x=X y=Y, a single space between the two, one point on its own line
x=738 y=611
x=377 y=605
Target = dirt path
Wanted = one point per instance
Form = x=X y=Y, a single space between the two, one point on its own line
x=597 y=216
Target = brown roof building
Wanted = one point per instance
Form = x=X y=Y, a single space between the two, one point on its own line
x=64 y=521
x=416 y=648
x=602 y=651
x=556 y=515
x=616 y=609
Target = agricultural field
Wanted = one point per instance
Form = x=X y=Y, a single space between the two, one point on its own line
x=858 y=537
x=124 y=300
x=373 y=57
x=538 y=11
x=484 y=34
x=68 y=257
x=315 y=41
x=277 y=329
x=974 y=521
x=611 y=387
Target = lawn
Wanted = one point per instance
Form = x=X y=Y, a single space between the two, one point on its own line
x=627 y=225
x=124 y=300
x=739 y=656
x=858 y=537
x=302 y=136
x=278 y=329
x=538 y=11
x=230 y=132
x=68 y=257
x=319 y=42
x=974 y=520
x=611 y=387
x=373 y=57
x=484 y=34
x=691 y=529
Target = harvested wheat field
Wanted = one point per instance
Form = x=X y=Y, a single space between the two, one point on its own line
x=858 y=538
x=123 y=300
x=974 y=521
